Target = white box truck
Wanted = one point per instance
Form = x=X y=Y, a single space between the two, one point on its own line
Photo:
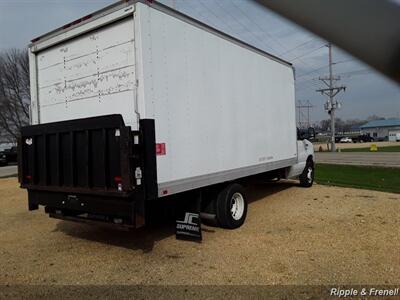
x=137 y=102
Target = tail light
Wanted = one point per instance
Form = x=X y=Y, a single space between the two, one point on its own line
x=118 y=181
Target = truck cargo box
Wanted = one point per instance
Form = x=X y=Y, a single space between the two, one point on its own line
x=221 y=109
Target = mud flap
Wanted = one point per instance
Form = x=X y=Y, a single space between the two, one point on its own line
x=188 y=224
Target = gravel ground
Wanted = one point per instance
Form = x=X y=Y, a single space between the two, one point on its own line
x=321 y=235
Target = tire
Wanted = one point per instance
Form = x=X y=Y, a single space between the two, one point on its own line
x=307 y=177
x=231 y=206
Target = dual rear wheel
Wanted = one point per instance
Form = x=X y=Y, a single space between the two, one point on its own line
x=230 y=204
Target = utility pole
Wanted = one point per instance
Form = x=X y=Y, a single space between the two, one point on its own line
x=331 y=91
x=307 y=106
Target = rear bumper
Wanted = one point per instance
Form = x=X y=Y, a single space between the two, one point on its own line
x=102 y=209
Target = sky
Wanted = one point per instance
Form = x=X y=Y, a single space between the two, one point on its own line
x=367 y=93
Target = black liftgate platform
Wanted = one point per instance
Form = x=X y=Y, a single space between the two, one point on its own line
x=90 y=170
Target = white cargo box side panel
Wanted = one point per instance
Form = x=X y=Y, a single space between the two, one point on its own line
x=222 y=110
x=90 y=75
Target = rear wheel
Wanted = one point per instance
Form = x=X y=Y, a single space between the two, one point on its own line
x=231 y=206
x=307 y=177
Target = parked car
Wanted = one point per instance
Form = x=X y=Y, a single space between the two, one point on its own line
x=364 y=138
x=11 y=154
x=3 y=159
x=346 y=140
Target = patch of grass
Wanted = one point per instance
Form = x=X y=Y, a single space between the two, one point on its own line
x=363 y=177
x=380 y=149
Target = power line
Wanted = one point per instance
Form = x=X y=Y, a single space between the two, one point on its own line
x=306 y=85
x=344 y=74
x=307 y=81
x=259 y=27
x=347 y=74
x=356 y=72
x=312 y=71
x=298 y=46
x=269 y=35
x=256 y=39
x=308 y=53
x=205 y=19
x=344 y=61
x=322 y=67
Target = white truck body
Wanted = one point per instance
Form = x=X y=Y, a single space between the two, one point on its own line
x=222 y=109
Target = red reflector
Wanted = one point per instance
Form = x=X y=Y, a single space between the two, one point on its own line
x=86 y=17
x=29 y=177
x=76 y=22
x=117 y=179
x=161 y=149
x=66 y=26
x=164 y=192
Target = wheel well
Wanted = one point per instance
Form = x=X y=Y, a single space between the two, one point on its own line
x=310 y=159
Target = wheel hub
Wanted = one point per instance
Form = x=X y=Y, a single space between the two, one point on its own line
x=309 y=174
x=237 y=206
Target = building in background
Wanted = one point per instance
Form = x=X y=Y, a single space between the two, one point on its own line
x=383 y=130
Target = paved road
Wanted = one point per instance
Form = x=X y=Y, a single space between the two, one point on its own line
x=385 y=159
x=356 y=145
x=8 y=171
